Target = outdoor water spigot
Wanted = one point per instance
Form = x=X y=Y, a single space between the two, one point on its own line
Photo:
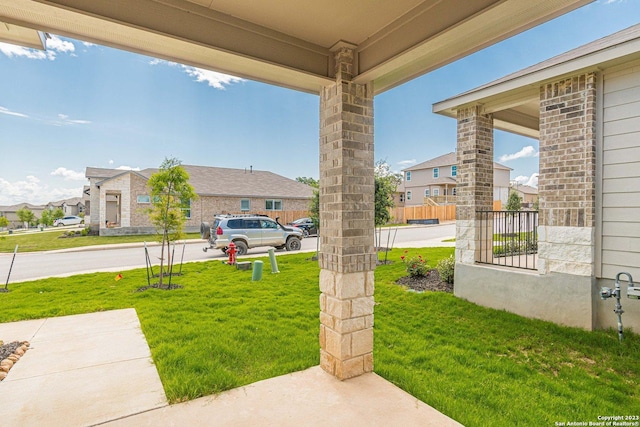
x=632 y=292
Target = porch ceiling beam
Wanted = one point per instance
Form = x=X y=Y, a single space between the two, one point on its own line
x=425 y=37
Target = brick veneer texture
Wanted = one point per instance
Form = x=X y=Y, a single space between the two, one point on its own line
x=566 y=184
x=346 y=172
x=475 y=163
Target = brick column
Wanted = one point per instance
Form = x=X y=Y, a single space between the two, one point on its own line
x=474 y=184
x=566 y=185
x=347 y=253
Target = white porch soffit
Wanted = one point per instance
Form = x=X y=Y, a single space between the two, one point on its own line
x=289 y=42
x=514 y=99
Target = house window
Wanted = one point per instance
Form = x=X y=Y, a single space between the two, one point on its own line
x=245 y=204
x=427 y=193
x=408 y=195
x=408 y=175
x=186 y=208
x=436 y=192
x=454 y=170
x=144 y=199
x=454 y=191
x=401 y=197
x=273 y=205
x=436 y=173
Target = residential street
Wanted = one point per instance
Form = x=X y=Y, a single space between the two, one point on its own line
x=35 y=265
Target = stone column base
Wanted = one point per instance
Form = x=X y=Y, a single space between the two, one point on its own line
x=346 y=329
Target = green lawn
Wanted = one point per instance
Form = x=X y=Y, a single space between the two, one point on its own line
x=50 y=240
x=480 y=366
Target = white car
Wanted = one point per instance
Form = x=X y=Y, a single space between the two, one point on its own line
x=67 y=220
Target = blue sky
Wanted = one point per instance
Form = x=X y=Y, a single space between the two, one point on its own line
x=81 y=104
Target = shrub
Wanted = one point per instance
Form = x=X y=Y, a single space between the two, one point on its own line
x=416 y=265
x=446 y=267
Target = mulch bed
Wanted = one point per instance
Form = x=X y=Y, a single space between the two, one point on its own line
x=10 y=353
x=430 y=282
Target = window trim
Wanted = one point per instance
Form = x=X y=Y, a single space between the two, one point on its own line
x=427 y=192
x=148 y=199
x=408 y=175
x=248 y=208
x=274 y=203
x=454 y=170
x=436 y=172
x=436 y=192
x=186 y=210
x=408 y=195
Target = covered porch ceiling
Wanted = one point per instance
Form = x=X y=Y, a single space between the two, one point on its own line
x=288 y=42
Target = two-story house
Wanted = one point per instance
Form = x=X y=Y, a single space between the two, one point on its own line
x=434 y=182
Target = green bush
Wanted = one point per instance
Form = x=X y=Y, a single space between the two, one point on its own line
x=416 y=265
x=446 y=267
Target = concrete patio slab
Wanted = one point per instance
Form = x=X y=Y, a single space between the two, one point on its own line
x=80 y=370
x=96 y=369
x=307 y=398
x=20 y=331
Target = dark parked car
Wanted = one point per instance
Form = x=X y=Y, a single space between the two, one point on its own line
x=307 y=226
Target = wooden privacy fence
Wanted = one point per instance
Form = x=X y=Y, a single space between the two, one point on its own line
x=442 y=213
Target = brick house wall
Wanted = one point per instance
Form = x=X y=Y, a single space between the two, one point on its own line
x=566 y=184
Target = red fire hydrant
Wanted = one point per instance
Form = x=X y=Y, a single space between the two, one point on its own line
x=231 y=251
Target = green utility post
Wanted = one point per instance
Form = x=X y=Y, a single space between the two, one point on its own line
x=274 y=263
x=257 y=271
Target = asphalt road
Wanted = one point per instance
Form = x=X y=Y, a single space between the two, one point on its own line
x=116 y=258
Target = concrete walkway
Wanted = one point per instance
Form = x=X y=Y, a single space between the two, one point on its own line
x=79 y=371
x=92 y=369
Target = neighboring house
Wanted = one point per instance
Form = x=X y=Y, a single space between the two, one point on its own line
x=434 y=182
x=10 y=212
x=119 y=198
x=527 y=193
x=584 y=107
x=72 y=206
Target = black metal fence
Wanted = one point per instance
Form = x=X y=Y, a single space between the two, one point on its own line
x=509 y=238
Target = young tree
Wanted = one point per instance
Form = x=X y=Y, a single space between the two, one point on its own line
x=47 y=218
x=309 y=181
x=386 y=183
x=170 y=193
x=514 y=203
x=57 y=214
x=4 y=222
x=25 y=215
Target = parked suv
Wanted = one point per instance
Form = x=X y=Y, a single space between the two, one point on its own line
x=249 y=231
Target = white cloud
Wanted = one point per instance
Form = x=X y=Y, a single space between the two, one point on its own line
x=64 y=120
x=59 y=45
x=127 y=168
x=12 y=51
x=31 y=190
x=110 y=162
x=212 y=78
x=4 y=110
x=68 y=174
x=527 y=151
x=531 y=181
x=409 y=162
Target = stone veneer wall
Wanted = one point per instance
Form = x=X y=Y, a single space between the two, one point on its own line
x=566 y=185
x=347 y=253
x=475 y=180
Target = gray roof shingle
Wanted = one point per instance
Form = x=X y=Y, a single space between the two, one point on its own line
x=215 y=181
